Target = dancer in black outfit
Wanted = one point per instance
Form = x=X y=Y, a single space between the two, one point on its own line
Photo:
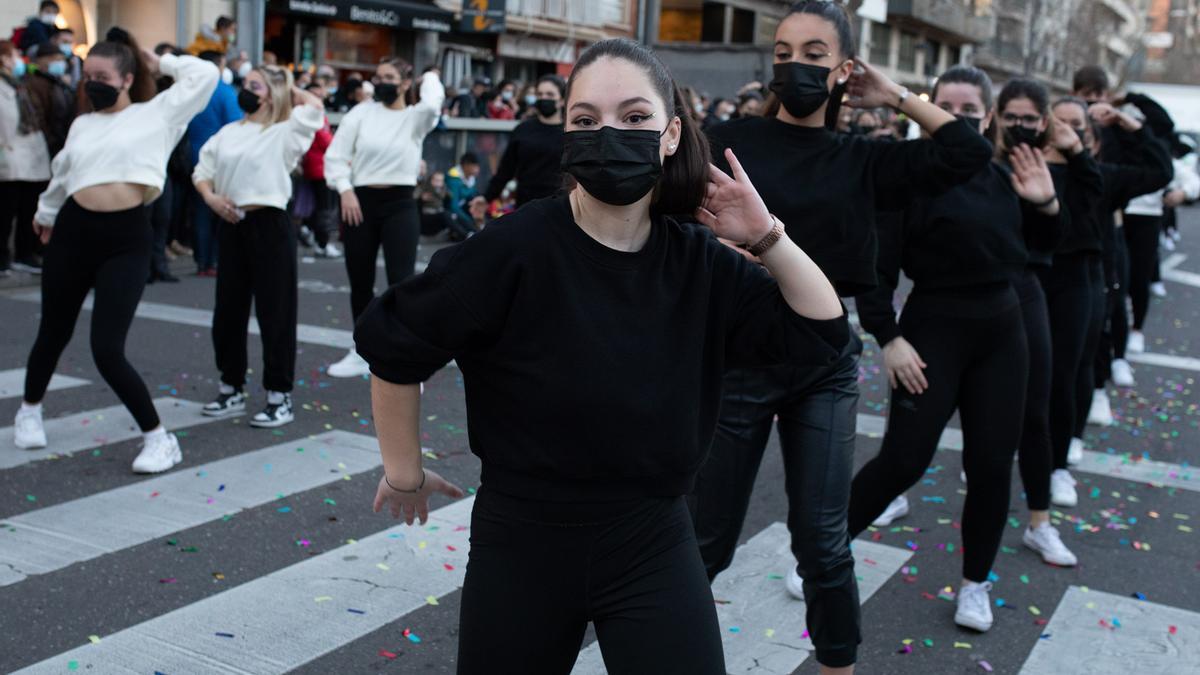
x=534 y=150
x=550 y=313
x=961 y=340
x=828 y=187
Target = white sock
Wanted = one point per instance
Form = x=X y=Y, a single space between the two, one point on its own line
x=159 y=432
x=31 y=407
x=226 y=389
x=274 y=397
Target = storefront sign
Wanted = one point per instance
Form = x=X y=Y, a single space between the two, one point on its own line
x=536 y=49
x=390 y=13
x=482 y=16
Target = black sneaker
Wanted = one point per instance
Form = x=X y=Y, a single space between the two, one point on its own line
x=307 y=238
x=275 y=414
x=226 y=404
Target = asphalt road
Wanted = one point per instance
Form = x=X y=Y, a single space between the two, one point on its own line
x=237 y=578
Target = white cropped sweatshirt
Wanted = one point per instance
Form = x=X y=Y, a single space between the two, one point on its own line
x=375 y=145
x=252 y=165
x=133 y=145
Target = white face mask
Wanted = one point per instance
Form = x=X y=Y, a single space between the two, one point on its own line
x=227 y=76
x=49 y=18
x=244 y=69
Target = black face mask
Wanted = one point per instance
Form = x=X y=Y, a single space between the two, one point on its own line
x=616 y=166
x=248 y=101
x=546 y=107
x=800 y=87
x=1017 y=134
x=101 y=96
x=387 y=93
x=974 y=122
x=1082 y=134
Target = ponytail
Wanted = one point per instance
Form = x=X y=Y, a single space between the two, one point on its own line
x=120 y=46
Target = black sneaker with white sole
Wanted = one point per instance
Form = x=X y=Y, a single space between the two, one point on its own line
x=275 y=414
x=226 y=404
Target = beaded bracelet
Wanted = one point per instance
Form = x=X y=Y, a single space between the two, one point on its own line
x=408 y=492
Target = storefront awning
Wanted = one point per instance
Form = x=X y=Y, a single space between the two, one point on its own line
x=404 y=14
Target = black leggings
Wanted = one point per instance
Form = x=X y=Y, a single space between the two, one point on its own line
x=979 y=364
x=257 y=262
x=1069 y=297
x=547 y=569
x=108 y=252
x=390 y=219
x=1141 y=236
x=1034 y=455
x=816 y=408
x=1085 y=378
x=18 y=204
x=1116 y=317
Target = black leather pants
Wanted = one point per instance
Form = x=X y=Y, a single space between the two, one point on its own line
x=817 y=409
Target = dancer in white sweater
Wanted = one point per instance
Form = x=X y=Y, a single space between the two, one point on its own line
x=244 y=175
x=114 y=162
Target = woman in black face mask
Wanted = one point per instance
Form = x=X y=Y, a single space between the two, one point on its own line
x=1072 y=277
x=373 y=163
x=551 y=313
x=961 y=343
x=830 y=187
x=535 y=147
x=114 y=162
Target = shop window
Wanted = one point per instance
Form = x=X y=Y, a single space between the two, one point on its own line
x=881 y=45
x=742 y=30
x=933 y=54
x=713 y=27
x=907 y=61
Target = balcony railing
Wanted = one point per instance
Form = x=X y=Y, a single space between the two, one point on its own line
x=958 y=17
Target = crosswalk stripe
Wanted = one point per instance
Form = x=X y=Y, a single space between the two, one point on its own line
x=761 y=625
x=52 y=538
x=189 y=316
x=1103 y=633
x=93 y=428
x=1098 y=463
x=12 y=382
x=287 y=618
x=1165 y=360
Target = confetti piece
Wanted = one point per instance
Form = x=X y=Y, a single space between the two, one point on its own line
x=31 y=498
x=94 y=639
x=218 y=576
x=412 y=637
x=430 y=600
x=285 y=509
x=1024 y=578
x=734 y=629
x=986 y=666
x=1140 y=596
x=323 y=598
x=386 y=654
x=1172 y=630
x=927 y=642
x=330 y=502
x=224 y=635
x=448 y=567
x=168 y=580
x=221 y=487
x=999 y=602
x=1035 y=611
x=383 y=567
x=72 y=665
x=356 y=611
x=770 y=632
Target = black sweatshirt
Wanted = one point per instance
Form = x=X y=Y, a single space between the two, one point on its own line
x=1145 y=167
x=973 y=236
x=591 y=374
x=533 y=157
x=1080 y=189
x=827 y=187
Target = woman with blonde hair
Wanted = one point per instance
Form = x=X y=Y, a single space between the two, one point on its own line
x=244 y=175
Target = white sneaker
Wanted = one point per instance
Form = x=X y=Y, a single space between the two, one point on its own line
x=1101 y=411
x=1075 y=451
x=28 y=431
x=351 y=365
x=159 y=453
x=1122 y=374
x=897 y=509
x=974 y=606
x=1158 y=289
x=331 y=251
x=962 y=475
x=795 y=584
x=1166 y=241
x=1136 y=342
x=1062 y=489
x=1046 y=540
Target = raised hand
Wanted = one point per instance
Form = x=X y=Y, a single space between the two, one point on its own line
x=1064 y=138
x=732 y=207
x=1031 y=177
x=869 y=88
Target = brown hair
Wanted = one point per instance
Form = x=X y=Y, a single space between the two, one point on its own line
x=411 y=95
x=279 y=92
x=1017 y=89
x=120 y=46
x=680 y=189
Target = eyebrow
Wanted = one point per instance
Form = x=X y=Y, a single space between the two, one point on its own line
x=626 y=102
x=810 y=43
